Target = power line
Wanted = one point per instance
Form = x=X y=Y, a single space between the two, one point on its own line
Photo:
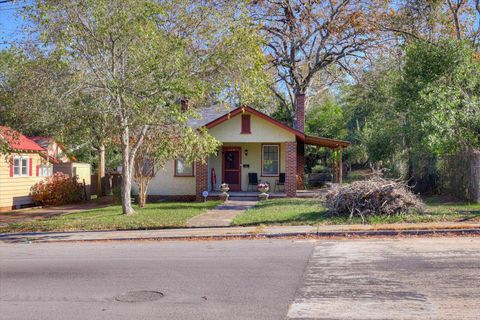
x=5 y=1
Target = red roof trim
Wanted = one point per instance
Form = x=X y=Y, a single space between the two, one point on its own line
x=17 y=141
x=259 y=114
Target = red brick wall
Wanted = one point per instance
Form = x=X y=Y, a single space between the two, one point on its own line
x=300 y=165
x=290 y=169
x=201 y=178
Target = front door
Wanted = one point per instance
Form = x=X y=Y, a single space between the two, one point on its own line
x=231 y=168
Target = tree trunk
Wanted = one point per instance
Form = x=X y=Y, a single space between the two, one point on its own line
x=101 y=170
x=126 y=173
x=143 y=195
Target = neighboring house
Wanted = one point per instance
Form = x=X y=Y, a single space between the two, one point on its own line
x=62 y=162
x=23 y=166
x=55 y=150
x=252 y=142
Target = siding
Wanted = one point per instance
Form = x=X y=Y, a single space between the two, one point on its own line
x=165 y=184
x=15 y=191
x=262 y=131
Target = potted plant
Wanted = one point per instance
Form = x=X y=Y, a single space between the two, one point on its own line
x=263 y=189
x=224 y=188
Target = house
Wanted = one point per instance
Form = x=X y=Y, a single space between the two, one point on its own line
x=55 y=150
x=22 y=167
x=252 y=143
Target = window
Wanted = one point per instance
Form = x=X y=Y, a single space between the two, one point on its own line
x=183 y=169
x=270 y=160
x=20 y=167
x=246 y=128
x=45 y=171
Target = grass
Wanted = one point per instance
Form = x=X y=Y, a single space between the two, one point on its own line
x=310 y=212
x=153 y=216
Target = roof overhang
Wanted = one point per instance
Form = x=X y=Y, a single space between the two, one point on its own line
x=325 y=142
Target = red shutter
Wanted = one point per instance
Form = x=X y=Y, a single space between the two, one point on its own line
x=30 y=163
x=38 y=170
x=11 y=167
x=246 y=123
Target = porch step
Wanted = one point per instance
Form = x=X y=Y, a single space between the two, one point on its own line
x=242 y=198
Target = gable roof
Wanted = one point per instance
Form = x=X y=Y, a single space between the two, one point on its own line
x=17 y=141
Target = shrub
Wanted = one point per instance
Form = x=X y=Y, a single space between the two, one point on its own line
x=56 y=190
x=376 y=196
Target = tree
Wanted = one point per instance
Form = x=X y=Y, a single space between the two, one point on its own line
x=432 y=21
x=38 y=92
x=139 y=57
x=178 y=142
x=308 y=40
x=443 y=80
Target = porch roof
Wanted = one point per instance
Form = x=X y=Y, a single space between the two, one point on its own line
x=325 y=142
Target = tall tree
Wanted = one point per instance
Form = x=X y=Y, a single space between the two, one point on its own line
x=307 y=41
x=139 y=57
x=434 y=20
x=38 y=93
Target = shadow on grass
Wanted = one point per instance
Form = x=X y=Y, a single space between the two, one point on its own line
x=310 y=218
x=471 y=215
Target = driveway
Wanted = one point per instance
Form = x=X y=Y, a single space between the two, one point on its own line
x=414 y=278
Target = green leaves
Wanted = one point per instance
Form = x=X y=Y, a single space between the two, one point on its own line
x=441 y=91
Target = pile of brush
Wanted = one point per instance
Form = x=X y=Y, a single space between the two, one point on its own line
x=376 y=196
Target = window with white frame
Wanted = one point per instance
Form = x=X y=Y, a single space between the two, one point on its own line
x=183 y=169
x=270 y=160
x=20 y=166
x=45 y=171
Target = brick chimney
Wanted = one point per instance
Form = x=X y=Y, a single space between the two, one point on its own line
x=299 y=120
x=184 y=104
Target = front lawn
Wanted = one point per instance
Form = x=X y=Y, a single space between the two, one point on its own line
x=153 y=216
x=310 y=212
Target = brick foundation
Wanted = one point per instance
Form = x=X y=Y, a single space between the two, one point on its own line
x=201 y=179
x=291 y=168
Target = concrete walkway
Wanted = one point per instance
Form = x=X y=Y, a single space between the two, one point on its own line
x=247 y=232
x=222 y=215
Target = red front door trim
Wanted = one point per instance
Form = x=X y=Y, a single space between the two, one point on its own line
x=239 y=150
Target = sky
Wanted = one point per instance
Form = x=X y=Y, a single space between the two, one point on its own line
x=10 y=22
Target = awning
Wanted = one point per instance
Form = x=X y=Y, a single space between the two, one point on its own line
x=325 y=142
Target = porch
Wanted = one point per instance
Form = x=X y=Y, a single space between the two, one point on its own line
x=239 y=195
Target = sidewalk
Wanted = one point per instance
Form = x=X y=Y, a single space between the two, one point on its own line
x=246 y=232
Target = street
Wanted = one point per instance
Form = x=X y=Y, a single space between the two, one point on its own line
x=410 y=278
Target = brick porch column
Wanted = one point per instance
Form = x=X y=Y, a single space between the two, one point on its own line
x=201 y=178
x=291 y=168
x=300 y=165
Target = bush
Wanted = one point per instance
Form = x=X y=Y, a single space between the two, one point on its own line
x=57 y=190
x=377 y=196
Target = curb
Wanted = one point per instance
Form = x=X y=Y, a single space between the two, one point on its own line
x=310 y=235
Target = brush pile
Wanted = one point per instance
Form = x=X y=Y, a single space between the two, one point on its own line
x=377 y=196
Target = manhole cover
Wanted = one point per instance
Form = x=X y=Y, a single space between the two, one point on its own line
x=139 y=296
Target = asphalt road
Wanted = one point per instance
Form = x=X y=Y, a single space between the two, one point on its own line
x=413 y=278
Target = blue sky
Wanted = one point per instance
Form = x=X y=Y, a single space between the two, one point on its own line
x=10 y=22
